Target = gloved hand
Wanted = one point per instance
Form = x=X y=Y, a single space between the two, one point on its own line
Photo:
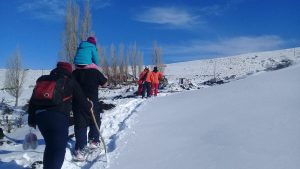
x=106 y=106
x=109 y=106
x=31 y=120
x=33 y=125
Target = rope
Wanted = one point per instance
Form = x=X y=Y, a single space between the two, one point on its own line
x=97 y=126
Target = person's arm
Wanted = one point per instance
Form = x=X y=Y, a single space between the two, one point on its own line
x=95 y=57
x=31 y=115
x=102 y=80
x=160 y=77
x=141 y=75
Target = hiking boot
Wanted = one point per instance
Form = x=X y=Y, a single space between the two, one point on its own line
x=81 y=154
x=94 y=144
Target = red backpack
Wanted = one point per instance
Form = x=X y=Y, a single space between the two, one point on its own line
x=49 y=90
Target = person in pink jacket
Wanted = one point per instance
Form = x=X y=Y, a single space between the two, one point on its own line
x=142 y=78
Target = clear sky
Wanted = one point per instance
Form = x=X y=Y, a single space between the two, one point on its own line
x=185 y=29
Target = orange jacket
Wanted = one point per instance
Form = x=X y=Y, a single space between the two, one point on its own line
x=156 y=77
x=148 y=78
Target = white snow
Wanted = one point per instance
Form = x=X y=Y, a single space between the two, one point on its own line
x=250 y=122
x=246 y=124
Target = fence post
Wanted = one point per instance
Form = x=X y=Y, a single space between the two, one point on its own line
x=8 y=125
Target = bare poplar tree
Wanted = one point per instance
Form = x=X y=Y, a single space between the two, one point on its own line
x=15 y=76
x=133 y=59
x=70 y=35
x=140 y=61
x=100 y=51
x=104 y=64
x=114 y=63
x=126 y=66
x=157 y=57
x=121 y=63
x=86 y=22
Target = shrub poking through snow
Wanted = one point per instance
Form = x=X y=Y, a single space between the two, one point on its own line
x=279 y=65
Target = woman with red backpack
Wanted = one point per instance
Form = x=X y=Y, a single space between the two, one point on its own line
x=51 y=112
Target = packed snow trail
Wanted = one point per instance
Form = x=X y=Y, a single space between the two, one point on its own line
x=247 y=124
x=114 y=123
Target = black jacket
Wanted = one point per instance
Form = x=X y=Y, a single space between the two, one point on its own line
x=89 y=80
x=71 y=88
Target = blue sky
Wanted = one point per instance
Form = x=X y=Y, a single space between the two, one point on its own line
x=185 y=29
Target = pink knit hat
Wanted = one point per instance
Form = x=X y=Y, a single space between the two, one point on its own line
x=91 y=40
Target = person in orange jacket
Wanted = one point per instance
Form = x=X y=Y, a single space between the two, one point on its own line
x=147 y=80
x=157 y=76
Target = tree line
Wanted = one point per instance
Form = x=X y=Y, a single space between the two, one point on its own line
x=115 y=61
x=121 y=64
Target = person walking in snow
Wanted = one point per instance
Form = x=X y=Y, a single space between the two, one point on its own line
x=157 y=76
x=142 y=78
x=86 y=54
x=53 y=119
x=147 y=79
x=89 y=79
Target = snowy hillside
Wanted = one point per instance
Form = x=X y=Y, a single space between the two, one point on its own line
x=246 y=123
x=235 y=67
x=31 y=77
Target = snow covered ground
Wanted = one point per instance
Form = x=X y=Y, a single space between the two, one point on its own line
x=248 y=123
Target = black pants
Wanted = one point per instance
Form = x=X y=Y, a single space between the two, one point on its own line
x=146 y=88
x=81 y=132
x=54 y=128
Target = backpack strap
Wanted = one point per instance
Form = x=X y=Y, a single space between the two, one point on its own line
x=67 y=97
